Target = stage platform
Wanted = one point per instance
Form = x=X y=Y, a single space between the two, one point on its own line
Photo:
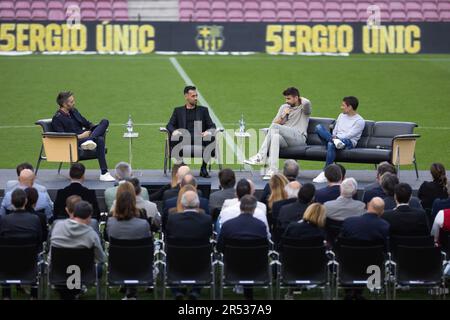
x=154 y=179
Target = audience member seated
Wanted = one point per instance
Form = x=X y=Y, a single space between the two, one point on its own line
x=13 y=184
x=126 y=224
x=158 y=195
x=277 y=183
x=388 y=183
x=440 y=204
x=404 y=220
x=20 y=224
x=32 y=197
x=294 y=211
x=333 y=174
x=243 y=227
x=441 y=223
x=123 y=172
x=291 y=189
x=311 y=226
x=75 y=187
x=436 y=189
x=232 y=210
x=150 y=208
x=173 y=192
x=382 y=168
x=227 y=180
x=345 y=206
x=76 y=233
x=291 y=171
x=188 y=225
x=26 y=180
x=368 y=227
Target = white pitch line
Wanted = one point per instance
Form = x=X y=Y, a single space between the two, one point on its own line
x=187 y=80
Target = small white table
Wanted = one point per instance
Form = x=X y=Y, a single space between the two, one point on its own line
x=130 y=136
x=241 y=138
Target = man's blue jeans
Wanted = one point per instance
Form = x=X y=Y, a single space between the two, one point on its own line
x=327 y=140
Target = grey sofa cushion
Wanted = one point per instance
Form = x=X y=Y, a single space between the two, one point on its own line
x=384 y=131
x=313 y=138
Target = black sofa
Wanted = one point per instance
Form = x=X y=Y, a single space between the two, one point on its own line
x=375 y=145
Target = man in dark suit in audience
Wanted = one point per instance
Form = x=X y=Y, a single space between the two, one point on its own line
x=196 y=122
x=243 y=227
x=20 y=224
x=227 y=180
x=368 y=227
x=189 y=225
x=332 y=191
x=77 y=171
x=294 y=211
x=382 y=168
x=404 y=220
x=291 y=171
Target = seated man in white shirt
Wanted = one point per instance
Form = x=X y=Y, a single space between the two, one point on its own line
x=346 y=133
x=231 y=208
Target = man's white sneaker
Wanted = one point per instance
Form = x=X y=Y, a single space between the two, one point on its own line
x=338 y=144
x=320 y=178
x=107 y=177
x=88 y=145
x=255 y=160
x=268 y=175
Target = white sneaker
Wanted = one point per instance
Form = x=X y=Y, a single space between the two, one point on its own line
x=338 y=144
x=255 y=160
x=88 y=145
x=107 y=177
x=268 y=175
x=320 y=178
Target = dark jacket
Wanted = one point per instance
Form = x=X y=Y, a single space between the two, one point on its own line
x=189 y=225
x=375 y=192
x=74 y=188
x=407 y=221
x=172 y=203
x=303 y=230
x=178 y=119
x=21 y=224
x=438 y=205
x=243 y=227
x=368 y=227
x=289 y=213
x=73 y=122
x=390 y=204
x=430 y=191
x=327 y=194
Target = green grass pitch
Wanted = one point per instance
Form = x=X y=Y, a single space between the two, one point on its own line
x=404 y=88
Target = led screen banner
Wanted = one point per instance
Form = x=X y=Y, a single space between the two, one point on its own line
x=273 y=38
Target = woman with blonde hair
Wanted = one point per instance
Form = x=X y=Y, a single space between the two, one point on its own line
x=310 y=226
x=277 y=184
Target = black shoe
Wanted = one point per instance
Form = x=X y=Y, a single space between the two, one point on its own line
x=204 y=173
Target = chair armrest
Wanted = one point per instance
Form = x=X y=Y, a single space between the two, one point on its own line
x=406 y=137
x=59 y=134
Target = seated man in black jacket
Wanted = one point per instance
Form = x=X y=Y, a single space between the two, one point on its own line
x=194 y=125
x=90 y=136
x=405 y=220
x=20 y=224
x=76 y=173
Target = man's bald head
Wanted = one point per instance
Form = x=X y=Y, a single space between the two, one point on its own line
x=182 y=171
x=189 y=179
x=190 y=200
x=376 y=205
x=292 y=189
x=26 y=177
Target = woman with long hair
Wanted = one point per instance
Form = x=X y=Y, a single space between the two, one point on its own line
x=436 y=189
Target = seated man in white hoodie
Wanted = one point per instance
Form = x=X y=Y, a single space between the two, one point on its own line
x=346 y=133
x=231 y=207
x=77 y=233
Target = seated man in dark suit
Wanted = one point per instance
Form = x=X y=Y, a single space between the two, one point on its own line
x=171 y=203
x=77 y=171
x=368 y=227
x=193 y=124
x=189 y=225
x=404 y=220
x=90 y=136
x=243 y=227
x=332 y=191
x=294 y=211
x=382 y=168
x=227 y=180
x=20 y=224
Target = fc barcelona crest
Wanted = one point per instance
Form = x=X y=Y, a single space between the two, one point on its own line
x=209 y=38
